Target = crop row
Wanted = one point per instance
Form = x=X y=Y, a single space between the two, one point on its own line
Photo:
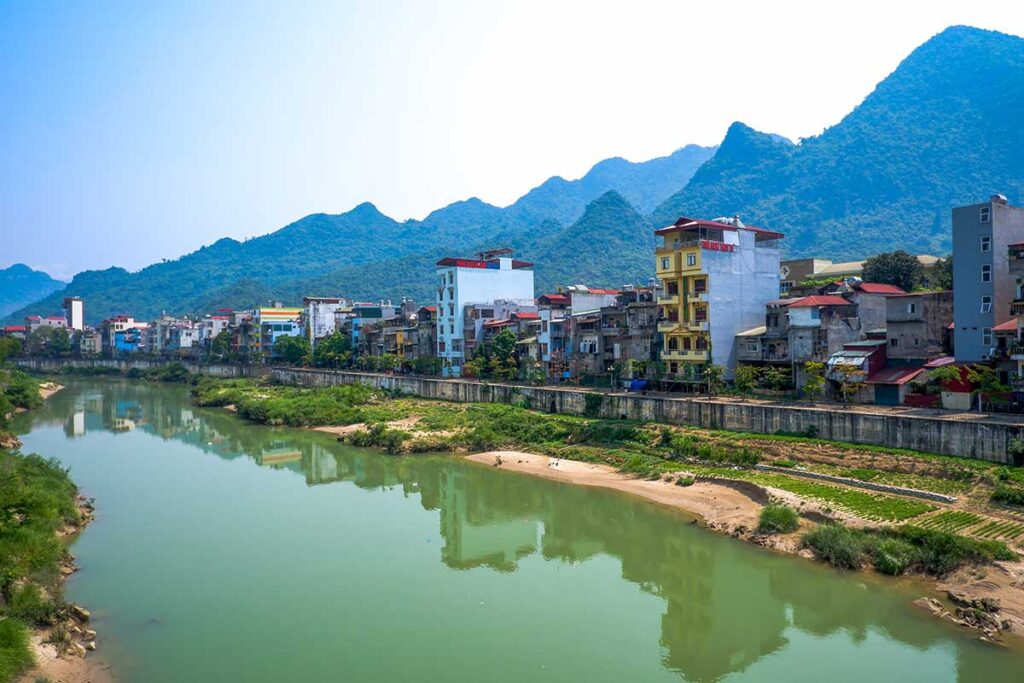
x=1000 y=529
x=951 y=521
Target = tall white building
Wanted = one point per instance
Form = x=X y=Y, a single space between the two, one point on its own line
x=74 y=312
x=491 y=276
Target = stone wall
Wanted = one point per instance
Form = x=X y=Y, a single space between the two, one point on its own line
x=125 y=364
x=970 y=439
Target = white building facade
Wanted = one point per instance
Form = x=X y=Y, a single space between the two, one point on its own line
x=492 y=276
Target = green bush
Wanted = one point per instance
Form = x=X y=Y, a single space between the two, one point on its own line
x=836 y=544
x=1008 y=495
x=941 y=552
x=894 y=556
x=784 y=462
x=592 y=404
x=685 y=481
x=27 y=603
x=778 y=519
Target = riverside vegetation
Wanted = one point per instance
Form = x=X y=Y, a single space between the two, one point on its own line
x=907 y=540
x=37 y=504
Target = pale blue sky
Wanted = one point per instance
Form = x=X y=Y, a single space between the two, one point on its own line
x=131 y=132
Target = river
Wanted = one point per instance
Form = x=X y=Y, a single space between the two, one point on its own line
x=225 y=551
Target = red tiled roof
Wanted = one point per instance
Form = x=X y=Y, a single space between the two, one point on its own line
x=819 y=300
x=526 y=315
x=939 y=362
x=15 y=328
x=894 y=375
x=431 y=309
x=32 y=317
x=876 y=288
x=55 y=317
x=555 y=298
x=597 y=290
x=1009 y=326
x=478 y=263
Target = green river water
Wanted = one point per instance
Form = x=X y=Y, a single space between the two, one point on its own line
x=224 y=551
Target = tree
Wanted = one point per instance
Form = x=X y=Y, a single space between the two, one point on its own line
x=894 y=268
x=851 y=380
x=814 y=385
x=712 y=378
x=986 y=383
x=333 y=351
x=745 y=379
x=220 y=347
x=943 y=273
x=775 y=378
x=496 y=357
x=9 y=347
x=292 y=350
x=60 y=343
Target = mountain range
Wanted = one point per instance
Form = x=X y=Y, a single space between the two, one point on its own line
x=20 y=286
x=945 y=128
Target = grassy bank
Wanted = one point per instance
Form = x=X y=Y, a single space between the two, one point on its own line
x=37 y=499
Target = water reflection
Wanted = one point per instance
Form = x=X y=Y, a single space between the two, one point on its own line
x=726 y=606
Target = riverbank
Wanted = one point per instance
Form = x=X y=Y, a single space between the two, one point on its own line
x=41 y=512
x=988 y=598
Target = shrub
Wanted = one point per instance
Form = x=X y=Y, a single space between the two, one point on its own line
x=784 y=462
x=684 y=481
x=1008 y=495
x=778 y=519
x=836 y=544
x=29 y=604
x=592 y=404
x=894 y=556
x=941 y=552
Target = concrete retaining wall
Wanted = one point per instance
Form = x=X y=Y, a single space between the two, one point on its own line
x=126 y=364
x=971 y=439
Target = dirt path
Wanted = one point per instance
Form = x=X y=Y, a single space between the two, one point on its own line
x=718 y=505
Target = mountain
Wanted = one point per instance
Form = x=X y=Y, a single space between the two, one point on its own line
x=609 y=226
x=20 y=285
x=363 y=253
x=944 y=129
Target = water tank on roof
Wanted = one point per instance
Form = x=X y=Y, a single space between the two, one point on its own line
x=853 y=281
x=733 y=220
x=999 y=199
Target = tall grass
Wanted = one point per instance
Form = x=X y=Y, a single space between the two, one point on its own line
x=777 y=518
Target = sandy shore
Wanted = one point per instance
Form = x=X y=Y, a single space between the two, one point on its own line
x=719 y=506
x=735 y=511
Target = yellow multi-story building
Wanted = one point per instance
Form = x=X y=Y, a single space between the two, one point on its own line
x=717 y=277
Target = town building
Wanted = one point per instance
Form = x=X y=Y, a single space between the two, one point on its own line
x=74 y=313
x=717 y=276
x=983 y=287
x=34 y=322
x=276 y=322
x=490 y=277
x=552 y=311
x=917 y=326
x=15 y=331
x=800 y=277
x=321 y=315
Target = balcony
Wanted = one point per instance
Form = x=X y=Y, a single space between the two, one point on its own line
x=1017 y=307
x=687 y=356
x=697 y=325
x=667 y=325
x=1017 y=351
x=668 y=300
x=697 y=297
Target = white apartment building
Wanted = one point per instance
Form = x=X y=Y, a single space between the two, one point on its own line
x=321 y=315
x=491 y=276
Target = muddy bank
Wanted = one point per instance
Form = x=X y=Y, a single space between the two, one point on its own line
x=734 y=510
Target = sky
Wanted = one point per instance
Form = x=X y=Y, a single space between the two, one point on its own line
x=134 y=132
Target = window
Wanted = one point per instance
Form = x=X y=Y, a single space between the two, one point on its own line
x=894 y=342
x=986 y=336
x=986 y=243
x=673 y=367
x=916 y=341
x=687 y=344
x=986 y=273
x=691 y=259
x=986 y=304
x=451 y=329
x=673 y=344
x=985 y=214
x=673 y=289
x=700 y=285
x=911 y=308
x=664 y=263
x=451 y=277
x=784 y=287
x=441 y=346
